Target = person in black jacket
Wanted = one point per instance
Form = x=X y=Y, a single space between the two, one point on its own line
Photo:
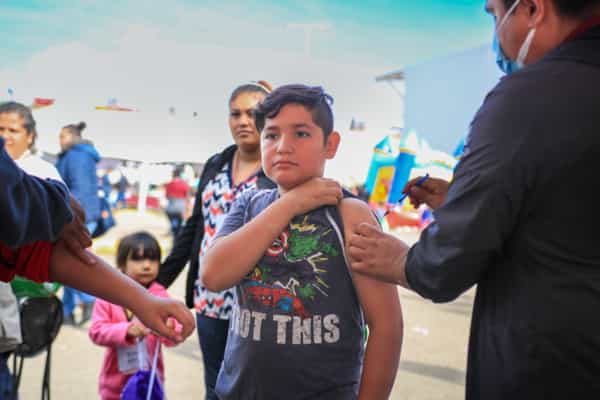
x=226 y=175
x=518 y=219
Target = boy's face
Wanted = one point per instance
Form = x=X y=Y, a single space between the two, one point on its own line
x=293 y=149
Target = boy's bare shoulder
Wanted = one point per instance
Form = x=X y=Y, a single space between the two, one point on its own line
x=354 y=212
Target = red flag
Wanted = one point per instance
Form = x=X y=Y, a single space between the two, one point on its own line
x=39 y=102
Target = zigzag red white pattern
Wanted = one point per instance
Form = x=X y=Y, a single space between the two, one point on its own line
x=217 y=198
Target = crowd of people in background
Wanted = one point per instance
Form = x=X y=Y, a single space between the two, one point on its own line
x=44 y=236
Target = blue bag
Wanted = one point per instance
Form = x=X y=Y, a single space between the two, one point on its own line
x=144 y=384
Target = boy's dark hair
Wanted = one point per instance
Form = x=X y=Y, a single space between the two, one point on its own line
x=137 y=246
x=76 y=129
x=313 y=98
x=24 y=112
x=568 y=8
x=263 y=87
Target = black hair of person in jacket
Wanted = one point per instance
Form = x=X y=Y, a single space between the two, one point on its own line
x=186 y=246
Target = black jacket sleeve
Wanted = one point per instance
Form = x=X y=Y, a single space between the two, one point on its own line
x=482 y=207
x=182 y=247
x=31 y=209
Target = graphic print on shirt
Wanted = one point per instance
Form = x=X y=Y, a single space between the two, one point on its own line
x=287 y=289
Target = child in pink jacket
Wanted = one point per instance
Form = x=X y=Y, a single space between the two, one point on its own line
x=116 y=328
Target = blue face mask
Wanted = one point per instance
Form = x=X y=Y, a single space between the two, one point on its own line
x=507 y=66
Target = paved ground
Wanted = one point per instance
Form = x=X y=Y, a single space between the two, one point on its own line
x=433 y=354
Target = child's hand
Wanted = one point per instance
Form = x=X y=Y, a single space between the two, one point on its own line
x=171 y=324
x=314 y=193
x=136 y=330
x=155 y=312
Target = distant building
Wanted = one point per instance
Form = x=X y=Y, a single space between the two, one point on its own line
x=441 y=96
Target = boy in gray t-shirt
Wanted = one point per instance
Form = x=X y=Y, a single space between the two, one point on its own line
x=296 y=332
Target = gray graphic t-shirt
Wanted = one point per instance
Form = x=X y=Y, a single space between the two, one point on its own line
x=296 y=329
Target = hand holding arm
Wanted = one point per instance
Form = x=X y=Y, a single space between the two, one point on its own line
x=377 y=254
x=250 y=241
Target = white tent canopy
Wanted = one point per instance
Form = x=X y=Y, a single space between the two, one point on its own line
x=202 y=84
x=140 y=136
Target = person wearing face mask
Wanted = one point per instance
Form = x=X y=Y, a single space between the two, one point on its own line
x=518 y=218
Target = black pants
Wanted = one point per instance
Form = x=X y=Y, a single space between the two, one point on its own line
x=212 y=334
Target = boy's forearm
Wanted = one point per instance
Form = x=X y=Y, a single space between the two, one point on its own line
x=234 y=255
x=99 y=279
x=381 y=363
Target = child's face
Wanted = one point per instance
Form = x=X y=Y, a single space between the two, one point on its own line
x=144 y=271
x=293 y=149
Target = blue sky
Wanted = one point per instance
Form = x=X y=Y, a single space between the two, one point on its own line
x=399 y=32
x=189 y=55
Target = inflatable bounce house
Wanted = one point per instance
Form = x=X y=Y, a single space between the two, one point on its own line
x=398 y=158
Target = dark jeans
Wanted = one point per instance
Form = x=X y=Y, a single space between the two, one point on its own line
x=175 y=220
x=212 y=334
x=71 y=297
x=7 y=380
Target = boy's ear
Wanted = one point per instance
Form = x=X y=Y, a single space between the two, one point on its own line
x=333 y=141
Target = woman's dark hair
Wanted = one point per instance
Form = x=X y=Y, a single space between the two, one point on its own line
x=568 y=8
x=252 y=87
x=75 y=129
x=137 y=246
x=314 y=98
x=24 y=112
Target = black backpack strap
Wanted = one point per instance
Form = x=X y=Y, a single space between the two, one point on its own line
x=334 y=211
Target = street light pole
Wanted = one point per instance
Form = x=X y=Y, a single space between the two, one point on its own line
x=308 y=29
